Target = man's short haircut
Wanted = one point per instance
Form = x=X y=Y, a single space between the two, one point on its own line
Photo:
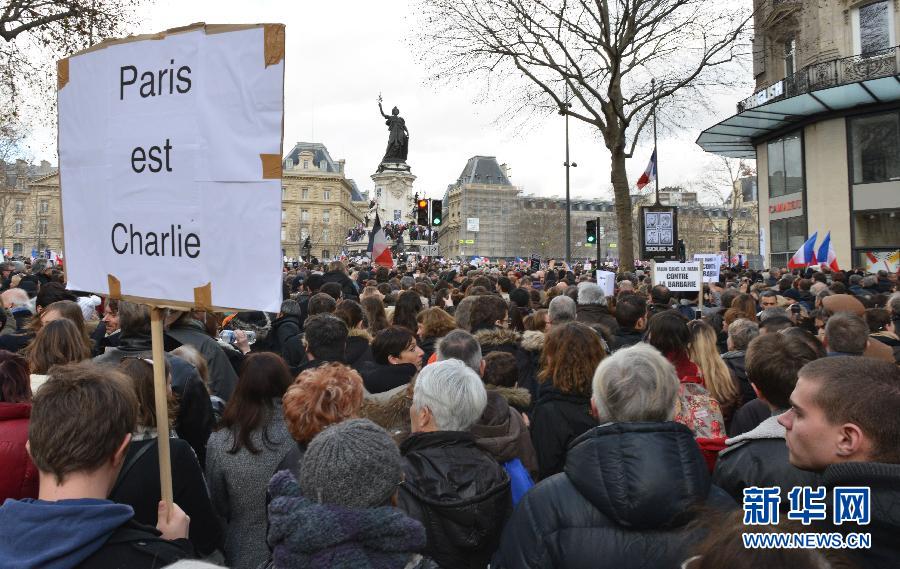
x=314 y=282
x=16 y=297
x=773 y=324
x=134 y=319
x=741 y=332
x=321 y=303
x=773 y=361
x=460 y=345
x=63 y=441
x=562 y=309
x=629 y=309
x=453 y=392
x=846 y=333
x=500 y=369
x=877 y=319
x=290 y=308
x=660 y=294
x=486 y=311
x=862 y=391
x=769 y=294
x=591 y=293
x=635 y=384
x=893 y=304
x=326 y=337
x=391 y=342
x=505 y=284
x=728 y=297
x=334 y=290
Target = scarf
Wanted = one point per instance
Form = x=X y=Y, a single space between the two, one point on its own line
x=304 y=533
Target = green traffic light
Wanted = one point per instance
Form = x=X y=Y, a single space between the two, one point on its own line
x=437 y=221
x=591 y=239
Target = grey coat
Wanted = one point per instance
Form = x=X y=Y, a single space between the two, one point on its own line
x=238 y=482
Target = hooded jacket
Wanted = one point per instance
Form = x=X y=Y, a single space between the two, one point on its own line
x=359 y=349
x=615 y=502
x=511 y=342
x=285 y=340
x=80 y=533
x=759 y=458
x=459 y=493
x=348 y=287
x=18 y=476
x=501 y=432
x=736 y=362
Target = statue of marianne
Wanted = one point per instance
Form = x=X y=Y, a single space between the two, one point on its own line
x=398 y=140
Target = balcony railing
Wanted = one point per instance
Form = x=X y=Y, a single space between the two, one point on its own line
x=832 y=73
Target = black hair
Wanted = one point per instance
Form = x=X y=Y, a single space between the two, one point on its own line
x=667 y=331
x=391 y=342
x=326 y=337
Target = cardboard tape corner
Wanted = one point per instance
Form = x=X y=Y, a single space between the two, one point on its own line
x=274 y=43
x=203 y=296
x=271 y=166
x=62 y=73
x=115 y=287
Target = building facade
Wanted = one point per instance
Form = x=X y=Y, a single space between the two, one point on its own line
x=481 y=213
x=542 y=229
x=317 y=202
x=30 y=210
x=823 y=125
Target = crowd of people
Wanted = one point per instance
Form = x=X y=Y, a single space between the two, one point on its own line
x=392 y=230
x=434 y=417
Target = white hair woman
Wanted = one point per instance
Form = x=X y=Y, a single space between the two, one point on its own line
x=451 y=486
x=629 y=485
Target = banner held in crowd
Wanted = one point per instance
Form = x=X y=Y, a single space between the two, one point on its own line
x=711 y=266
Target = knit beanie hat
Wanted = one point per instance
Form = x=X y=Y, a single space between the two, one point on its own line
x=354 y=463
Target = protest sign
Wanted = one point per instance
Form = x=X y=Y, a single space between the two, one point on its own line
x=167 y=143
x=678 y=277
x=607 y=281
x=710 y=266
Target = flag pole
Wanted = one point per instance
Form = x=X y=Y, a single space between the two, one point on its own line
x=655 y=152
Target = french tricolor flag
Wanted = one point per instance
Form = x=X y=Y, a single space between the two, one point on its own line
x=649 y=174
x=378 y=248
x=805 y=255
x=826 y=254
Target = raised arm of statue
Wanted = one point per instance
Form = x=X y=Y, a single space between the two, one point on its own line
x=381 y=109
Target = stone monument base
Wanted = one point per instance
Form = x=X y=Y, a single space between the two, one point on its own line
x=394 y=195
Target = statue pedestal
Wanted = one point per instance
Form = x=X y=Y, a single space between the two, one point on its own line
x=394 y=195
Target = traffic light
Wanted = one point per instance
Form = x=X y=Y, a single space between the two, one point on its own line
x=591 y=231
x=422 y=212
x=436 y=214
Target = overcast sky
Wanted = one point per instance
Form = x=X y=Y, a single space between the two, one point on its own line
x=341 y=54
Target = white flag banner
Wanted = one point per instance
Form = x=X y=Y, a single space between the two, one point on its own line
x=710 y=266
x=607 y=281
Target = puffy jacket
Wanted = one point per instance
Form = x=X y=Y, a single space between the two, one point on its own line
x=501 y=432
x=624 y=500
x=285 y=340
x=18 y=476
x=359 y=349
x=511 y=342
x=222 y=377
x=459 y=493
x=626 y=337
x=597 y=314
x=759 y=458
x=558 y=418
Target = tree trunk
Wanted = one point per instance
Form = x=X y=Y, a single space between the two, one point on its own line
x=622 y=196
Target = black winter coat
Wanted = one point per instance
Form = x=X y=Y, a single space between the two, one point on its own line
x=379 y=378
x=558 y=419
x=348 y=289
x=626 y=337
x=285 y=340
x=748 y=417
x=759 y=458
x=138 y=546
x=597 y=314
x=139 y=488
x=359 y=349
x=736 y=364
x=459 y=493
x=511 y=342
x=624 y=501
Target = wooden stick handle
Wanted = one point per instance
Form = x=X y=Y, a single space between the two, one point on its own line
x=161 y=392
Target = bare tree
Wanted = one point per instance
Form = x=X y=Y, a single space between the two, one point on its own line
x=608 y=63
x=35 y=33
x=721 y=185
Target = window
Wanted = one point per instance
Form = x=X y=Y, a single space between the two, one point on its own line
x=42 y=227
x=306 y=164
x=326 y=254
x=786 y=165
x=787 y=235
x=45 y=206
x=876 y=229
x=283 y=233
x=790 y=56
x=304 y=233
x=326 y=194
x=17 y=249
x=283 y=215
x=872 y=28
x=283 y=193
x=20 y=206
x=325 y=234
x=304 y=215
x=875 y=148
x=18 y=225
x=304 y=193
x=326 y=215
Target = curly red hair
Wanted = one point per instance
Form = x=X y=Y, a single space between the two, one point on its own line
x=321 y=397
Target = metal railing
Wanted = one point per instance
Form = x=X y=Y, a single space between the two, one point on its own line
x=832 y=73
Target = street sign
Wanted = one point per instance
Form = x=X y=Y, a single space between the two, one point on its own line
x=472 y=224
x=612 y=245
x=470 y=241
x=429 y=250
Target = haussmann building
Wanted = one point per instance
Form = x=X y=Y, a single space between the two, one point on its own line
x=823 y=126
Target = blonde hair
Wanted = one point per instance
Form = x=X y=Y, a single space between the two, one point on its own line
x=703 y=352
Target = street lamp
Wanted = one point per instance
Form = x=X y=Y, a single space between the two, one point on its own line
x=568 y=164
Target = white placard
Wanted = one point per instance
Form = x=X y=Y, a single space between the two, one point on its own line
x=607 y=282
x=710 y=266
x=472 y=224
x=678 y=276
x=161 y=147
